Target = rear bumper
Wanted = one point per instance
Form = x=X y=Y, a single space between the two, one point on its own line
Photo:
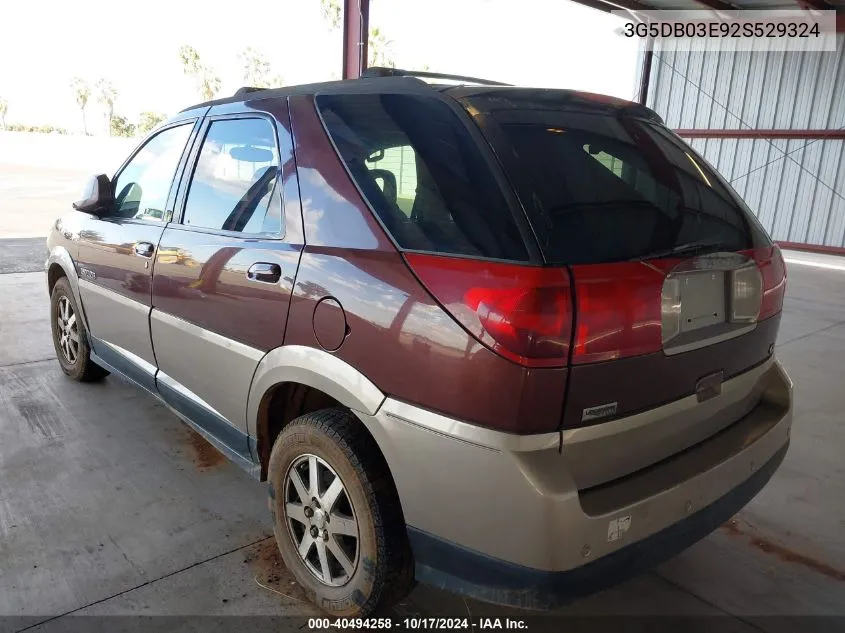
x=502 y=518
x=455 y=568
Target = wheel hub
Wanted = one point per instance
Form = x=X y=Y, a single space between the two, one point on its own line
x=320 y=519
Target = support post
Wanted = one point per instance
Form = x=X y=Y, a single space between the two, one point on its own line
x=645 y=75
x=356 y=30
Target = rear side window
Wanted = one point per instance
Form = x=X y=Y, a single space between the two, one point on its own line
x=423 y=174
x=232 y=185
x=600 y=188
x=396 y=168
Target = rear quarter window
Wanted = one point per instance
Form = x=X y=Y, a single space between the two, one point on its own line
x=423 y=174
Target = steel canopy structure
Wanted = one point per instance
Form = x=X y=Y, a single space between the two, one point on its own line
x=773 y=123
x=356 y=19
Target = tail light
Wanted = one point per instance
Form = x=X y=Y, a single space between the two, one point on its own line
x=773 y=269
x=619 y=310
x=523 y=313
x=746 y=291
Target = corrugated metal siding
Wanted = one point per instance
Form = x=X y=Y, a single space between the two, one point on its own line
x=799 y=197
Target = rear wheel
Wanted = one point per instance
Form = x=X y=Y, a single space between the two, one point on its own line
x=70 y=337
x=336 y=515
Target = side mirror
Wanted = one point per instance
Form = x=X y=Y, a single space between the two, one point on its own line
x=97 y=196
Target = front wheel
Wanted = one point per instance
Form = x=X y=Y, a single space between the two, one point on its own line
x=70 y=337
x=336 y=515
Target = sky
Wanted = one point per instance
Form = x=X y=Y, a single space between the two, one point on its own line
x=44 y=45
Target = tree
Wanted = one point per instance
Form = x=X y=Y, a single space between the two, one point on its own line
x=39 y=129
x=207 y=81
x=81 y=92
x=120 y=126
x=332 y=13
x=257 y=70
x=106 y=96
x=149 y=121
x=378 y=47
x=4 y=108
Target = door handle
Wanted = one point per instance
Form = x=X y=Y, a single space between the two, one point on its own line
x=264 y=272
x=144 y=249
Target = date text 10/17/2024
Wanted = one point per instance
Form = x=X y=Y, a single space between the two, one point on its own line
x=417 y=624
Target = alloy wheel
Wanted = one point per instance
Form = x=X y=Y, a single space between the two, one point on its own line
x=321 y=520
x=67 y=332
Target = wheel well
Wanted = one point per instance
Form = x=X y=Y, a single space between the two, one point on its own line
x=54 y=273
x=279 y=406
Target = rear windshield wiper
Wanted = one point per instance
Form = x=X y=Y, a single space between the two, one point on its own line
x=690 y=248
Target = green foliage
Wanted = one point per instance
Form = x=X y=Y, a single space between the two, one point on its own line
x=149 y=121
x=332 y=13
x=81 y=92
x=120 y=126
x=209 y=86
x=40 y=129
x=379 y=50
x=190 y=59
x=257 y=70
x=378 y=46
x=207 y=82
x=106 y=96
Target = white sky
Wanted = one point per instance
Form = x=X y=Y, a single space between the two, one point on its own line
x=43 y=45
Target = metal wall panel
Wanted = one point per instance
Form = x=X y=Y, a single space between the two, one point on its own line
x=797 y=186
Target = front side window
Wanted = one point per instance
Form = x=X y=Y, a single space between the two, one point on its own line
x=233 y=182
x=142 y=188
x=423 y=173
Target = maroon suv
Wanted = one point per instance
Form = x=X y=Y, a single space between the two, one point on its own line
x=515 y=343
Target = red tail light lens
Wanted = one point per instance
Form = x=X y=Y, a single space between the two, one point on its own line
x=523 y=313
x=619 y=310
x=773 y=269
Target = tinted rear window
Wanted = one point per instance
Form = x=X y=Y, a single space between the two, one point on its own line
x=599 y=187
x=423 y=173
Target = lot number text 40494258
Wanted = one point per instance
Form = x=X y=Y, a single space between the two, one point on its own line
x=417 y=624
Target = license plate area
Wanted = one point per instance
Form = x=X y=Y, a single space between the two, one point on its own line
x=709 y=299
x=703 y=299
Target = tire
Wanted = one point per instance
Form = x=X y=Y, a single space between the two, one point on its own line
x=70 y=338
x=382 y=572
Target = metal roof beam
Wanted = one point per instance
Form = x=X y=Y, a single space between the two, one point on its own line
x=820 y=5
x=616 y=5
x=718 y=5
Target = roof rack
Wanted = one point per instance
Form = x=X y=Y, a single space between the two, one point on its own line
x=380 y=71
x=246 y=90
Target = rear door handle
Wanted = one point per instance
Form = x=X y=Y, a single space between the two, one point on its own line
x=144 y=249
x=264 y=272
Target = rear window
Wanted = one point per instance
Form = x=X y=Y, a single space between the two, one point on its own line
x=423 y=173
x=599 y=187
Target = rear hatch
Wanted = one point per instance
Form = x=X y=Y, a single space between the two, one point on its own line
x=591 y=243
x=676 y=288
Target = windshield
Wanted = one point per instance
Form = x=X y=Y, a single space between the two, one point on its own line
x=600 y=187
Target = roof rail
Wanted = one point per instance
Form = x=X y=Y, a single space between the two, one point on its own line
x=380 y=71
x=246 y=90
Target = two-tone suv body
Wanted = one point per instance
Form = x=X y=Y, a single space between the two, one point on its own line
x=514 y=343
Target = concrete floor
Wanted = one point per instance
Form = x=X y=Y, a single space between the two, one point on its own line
x=109 y=505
